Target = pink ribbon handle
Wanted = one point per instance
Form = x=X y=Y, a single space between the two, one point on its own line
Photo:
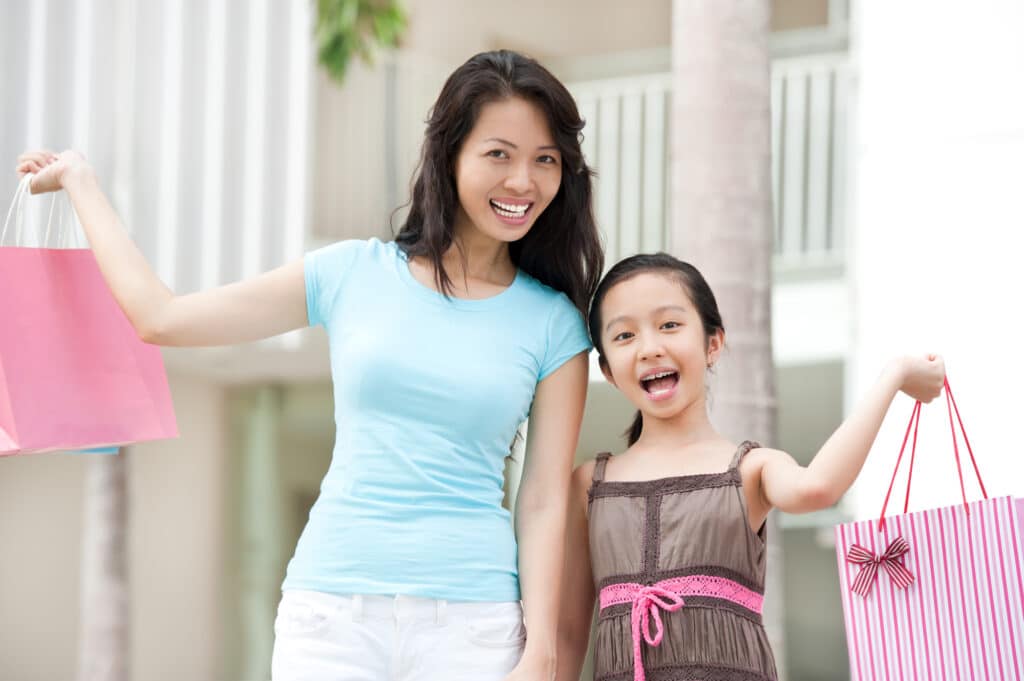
x=915 y=418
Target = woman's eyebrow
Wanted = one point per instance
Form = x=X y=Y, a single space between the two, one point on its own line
x=514 y=146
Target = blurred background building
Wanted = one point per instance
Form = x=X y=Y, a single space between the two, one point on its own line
x=898 y=146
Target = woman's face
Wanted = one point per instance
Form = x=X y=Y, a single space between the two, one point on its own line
x=507 y=172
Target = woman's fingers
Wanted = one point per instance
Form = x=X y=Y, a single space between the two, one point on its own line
x=41 y=157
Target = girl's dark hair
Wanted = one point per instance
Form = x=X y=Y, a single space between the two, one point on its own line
x=688 y=276
x=562 y=249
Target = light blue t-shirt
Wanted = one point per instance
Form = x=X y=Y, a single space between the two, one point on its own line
x=428 y=393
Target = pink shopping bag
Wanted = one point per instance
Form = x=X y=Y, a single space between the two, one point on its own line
x=937 y=594
x=73 y=372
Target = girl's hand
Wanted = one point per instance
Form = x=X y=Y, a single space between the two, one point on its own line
x=51 y=170
x=922 y=376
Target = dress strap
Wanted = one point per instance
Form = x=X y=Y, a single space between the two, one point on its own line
x=742 y=451
x=602 y=463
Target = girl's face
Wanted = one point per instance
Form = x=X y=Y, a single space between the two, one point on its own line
x=655 y=348
x=507 y=172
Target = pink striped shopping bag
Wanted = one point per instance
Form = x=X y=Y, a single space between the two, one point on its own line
x=937 y=594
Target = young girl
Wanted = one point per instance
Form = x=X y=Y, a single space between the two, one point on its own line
x=441 y=342
x=669 y=537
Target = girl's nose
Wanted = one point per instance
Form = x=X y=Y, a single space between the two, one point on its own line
x=650 y=350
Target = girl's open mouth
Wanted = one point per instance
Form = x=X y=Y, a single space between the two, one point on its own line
x=660 y=385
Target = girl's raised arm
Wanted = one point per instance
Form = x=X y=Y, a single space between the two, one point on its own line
x=792 y=488
x=260 y=307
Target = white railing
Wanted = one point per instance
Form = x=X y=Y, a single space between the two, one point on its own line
x=627 y=142
x=195 y=114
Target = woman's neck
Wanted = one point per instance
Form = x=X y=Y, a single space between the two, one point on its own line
x=477 y=257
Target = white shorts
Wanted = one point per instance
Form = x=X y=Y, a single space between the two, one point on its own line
x=323 y=637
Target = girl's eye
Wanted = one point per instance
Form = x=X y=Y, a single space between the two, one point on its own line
x=670 y=325
x=625 y=335
x=547 y=158
x=497 y=153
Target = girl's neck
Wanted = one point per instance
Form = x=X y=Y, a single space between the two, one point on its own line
x=688 y=427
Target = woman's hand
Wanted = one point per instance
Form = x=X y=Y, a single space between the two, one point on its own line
x=922 y=376
x=533 y=669
x=51 y=171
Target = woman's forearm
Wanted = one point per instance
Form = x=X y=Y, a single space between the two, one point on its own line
x=540 y=528
x=131 y=279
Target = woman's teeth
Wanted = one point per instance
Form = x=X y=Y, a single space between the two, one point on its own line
x=509 y=210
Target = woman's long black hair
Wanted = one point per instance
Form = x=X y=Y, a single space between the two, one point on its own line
x=563 y=248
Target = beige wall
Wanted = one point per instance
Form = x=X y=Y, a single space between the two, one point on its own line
x=539 y=27
x=175 y=539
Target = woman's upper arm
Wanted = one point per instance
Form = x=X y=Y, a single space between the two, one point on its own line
x=260 y=307
x=554 y=428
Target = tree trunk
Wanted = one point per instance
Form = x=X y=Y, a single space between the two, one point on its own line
x=104 y=645
x=722 y=217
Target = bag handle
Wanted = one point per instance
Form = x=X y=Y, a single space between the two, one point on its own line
x=17 y=209
x=915 y=418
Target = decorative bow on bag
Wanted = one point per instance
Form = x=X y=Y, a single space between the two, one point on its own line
x=891 y=560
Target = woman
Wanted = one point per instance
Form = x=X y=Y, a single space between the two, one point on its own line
x=442 y=342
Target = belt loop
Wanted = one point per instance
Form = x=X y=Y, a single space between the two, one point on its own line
x=442 y=609
x=357 y=608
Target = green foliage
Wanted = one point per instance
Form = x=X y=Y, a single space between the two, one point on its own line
x=347 y=28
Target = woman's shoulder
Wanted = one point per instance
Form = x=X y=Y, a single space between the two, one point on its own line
x=543 y=293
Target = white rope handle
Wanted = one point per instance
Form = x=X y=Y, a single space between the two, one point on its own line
x=17 y=209
x=16 y=202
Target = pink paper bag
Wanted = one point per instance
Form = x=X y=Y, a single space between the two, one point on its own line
x=73 y=372
x=936 y=594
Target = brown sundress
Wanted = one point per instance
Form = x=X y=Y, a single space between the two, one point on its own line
x=680 y=578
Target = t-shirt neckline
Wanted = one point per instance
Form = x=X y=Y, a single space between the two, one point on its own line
x=433 y=296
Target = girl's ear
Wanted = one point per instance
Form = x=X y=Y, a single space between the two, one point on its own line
x=715 y=345
x=606 y=370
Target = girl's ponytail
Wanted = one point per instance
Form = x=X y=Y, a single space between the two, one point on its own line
x=633 y=432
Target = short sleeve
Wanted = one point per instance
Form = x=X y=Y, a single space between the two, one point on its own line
x=566 y=336
x=326 y=270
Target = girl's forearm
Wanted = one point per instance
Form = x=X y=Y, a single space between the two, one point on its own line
x=134 y=284
x=841 y=458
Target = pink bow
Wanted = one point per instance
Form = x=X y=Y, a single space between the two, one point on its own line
x=647 y=605
x=891 y=560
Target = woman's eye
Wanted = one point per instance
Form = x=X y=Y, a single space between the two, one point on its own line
x=670 y=325
x=547 y=158
x=497 y=153
x=625 y=335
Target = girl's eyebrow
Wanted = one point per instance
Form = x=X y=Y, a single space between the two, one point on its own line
x=656 y=311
